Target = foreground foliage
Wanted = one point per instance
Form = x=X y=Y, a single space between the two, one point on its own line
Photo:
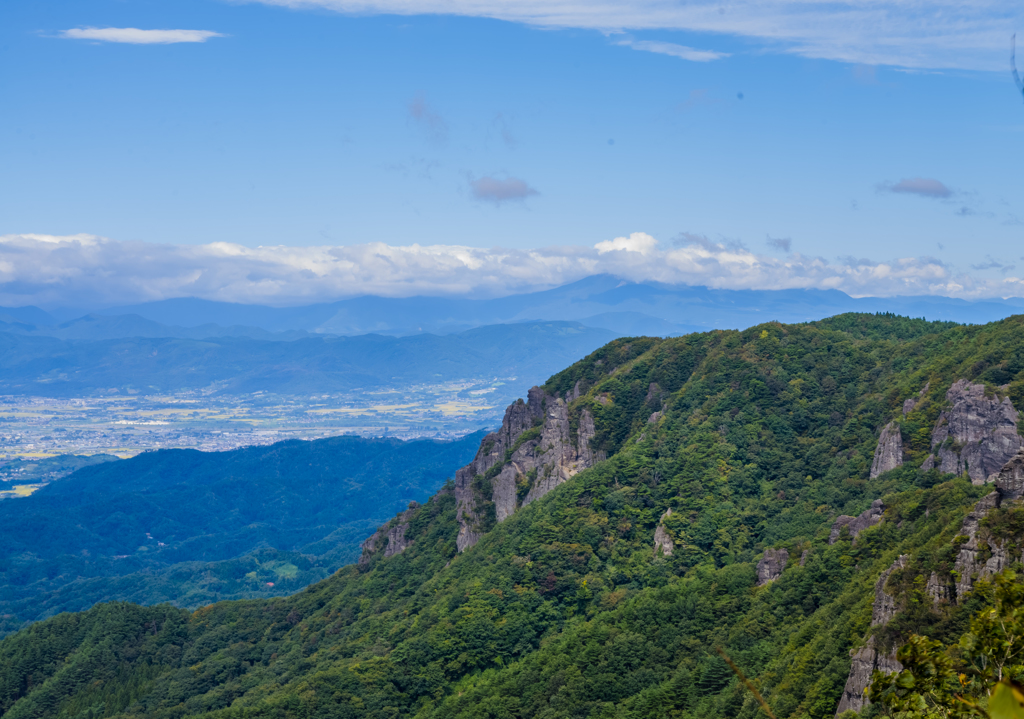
x=974 y=677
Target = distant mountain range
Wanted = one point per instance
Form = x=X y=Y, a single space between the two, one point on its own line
x=47 y=366
x=601 y=301
x=365 y=342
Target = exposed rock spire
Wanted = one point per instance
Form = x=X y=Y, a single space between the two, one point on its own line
x=889 y=452
x=868 y=658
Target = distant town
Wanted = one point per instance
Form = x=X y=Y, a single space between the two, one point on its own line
x=40 y=428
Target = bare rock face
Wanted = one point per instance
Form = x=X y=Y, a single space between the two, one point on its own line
x=573 y=394
x=391 y=537
x=969 y=565
x=889 y=452
x=867 y=659
x=976 y=436
x=771 y=565
x=663 y=544
x=545 y=461
x=1010 y=482
x=504 y=492
x=868 y=518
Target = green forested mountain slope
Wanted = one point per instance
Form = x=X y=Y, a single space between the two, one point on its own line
x=754 y=440
x=193 y=527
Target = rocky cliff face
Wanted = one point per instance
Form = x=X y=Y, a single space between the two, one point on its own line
x=970 y=565
x=390 y=537
x=889 y=452
x=977 y=435
x=982 y=556
x=868 y=518
x=535 y=452
x=868 y=658
x=771 y=565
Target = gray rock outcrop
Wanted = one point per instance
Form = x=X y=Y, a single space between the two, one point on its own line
x=980 y=556
x=771 y=565
x=868 y=518
x=391 y=537
x=868 y=658
x=969 y=566
x=1010 y=482
x=976 y=436
x=663 y=544
x=889 y=452
x=550 y=458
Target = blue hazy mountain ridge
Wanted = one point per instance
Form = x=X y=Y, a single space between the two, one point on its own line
x=602 y=301
x=103 y=327
x=29 y=315
x=42 y=365
x=194 y=527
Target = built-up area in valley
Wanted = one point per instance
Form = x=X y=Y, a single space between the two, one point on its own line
x=37 y=434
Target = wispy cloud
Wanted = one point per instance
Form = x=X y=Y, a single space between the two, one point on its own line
x=669 y=48
x=91 y=271
x=923 y=186
x=135 y=36
x=992 y=264
x=925 y=34
x=498 y=189
x=780 y=243
x=432 y=124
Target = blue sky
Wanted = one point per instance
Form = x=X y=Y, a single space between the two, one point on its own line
x=303 y=125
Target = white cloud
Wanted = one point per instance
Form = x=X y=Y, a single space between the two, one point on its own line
x=922 y=34
x=670 y=48
x=639 y=242
x=90 y=271
x=135 y=36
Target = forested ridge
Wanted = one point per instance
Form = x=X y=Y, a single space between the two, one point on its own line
x=755 y=440
x=193 y=527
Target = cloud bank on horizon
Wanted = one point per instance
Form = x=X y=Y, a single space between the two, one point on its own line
x=90 y=271
x=927 y=34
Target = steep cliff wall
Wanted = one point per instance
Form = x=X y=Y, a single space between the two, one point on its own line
x=391 y=537
x=977 y=435
x=530 y=455
x=868 y=658
x=889 y=452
